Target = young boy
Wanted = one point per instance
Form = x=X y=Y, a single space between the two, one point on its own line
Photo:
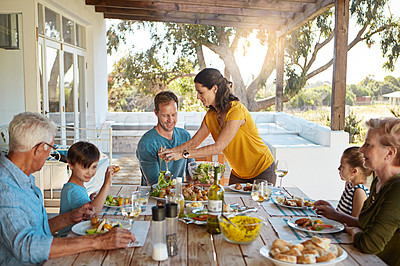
x=82 y=159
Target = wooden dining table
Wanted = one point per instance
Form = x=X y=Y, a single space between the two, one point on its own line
x=197 y=247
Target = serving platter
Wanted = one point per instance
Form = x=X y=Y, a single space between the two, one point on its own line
x=337 y=227
x=186 y=201
x=342 y=255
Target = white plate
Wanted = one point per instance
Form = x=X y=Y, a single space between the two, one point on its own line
x=342 y=255
x=287 y=206
x=82 y=227
x=337 y=227
x=239 y=190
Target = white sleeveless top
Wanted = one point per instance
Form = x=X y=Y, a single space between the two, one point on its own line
x=345 y=204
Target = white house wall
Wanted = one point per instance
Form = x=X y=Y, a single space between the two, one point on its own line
x=18 y=68
x=26 y=97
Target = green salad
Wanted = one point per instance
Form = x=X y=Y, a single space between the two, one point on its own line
x=204 y=172
x=162 y=184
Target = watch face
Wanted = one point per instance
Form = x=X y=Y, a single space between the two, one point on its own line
x=185 y=154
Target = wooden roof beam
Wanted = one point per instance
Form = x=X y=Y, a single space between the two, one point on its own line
x=218 y=23
x=310 y=12
x=279 y=6
x=199 y=9
x=191 y=16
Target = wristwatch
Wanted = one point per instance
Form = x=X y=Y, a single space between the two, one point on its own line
x=185 y=154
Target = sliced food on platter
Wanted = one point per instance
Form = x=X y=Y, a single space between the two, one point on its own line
x=241 y=187
x=316 y=250
x=320 y=225
x=293 y=202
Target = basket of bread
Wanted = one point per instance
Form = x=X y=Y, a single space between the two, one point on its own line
x=316 y=250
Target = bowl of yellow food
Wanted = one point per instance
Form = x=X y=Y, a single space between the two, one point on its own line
x=248 y=228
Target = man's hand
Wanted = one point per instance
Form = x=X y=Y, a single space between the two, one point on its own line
x=85 y=212
x=115 y=238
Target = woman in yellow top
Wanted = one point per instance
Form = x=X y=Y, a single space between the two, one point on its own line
x=233 y=130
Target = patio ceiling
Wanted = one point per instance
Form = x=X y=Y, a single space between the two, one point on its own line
x=283 y=16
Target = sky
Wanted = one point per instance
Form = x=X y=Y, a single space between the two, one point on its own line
x=361 y=60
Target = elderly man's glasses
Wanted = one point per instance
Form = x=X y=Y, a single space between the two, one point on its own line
x=51 y=146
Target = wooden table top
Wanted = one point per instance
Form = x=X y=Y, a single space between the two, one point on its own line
x=197 y=247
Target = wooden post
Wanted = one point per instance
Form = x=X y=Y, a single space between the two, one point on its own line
x=280 y=73
x=339 y=65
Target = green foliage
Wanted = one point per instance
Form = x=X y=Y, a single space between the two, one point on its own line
x=352 y=125
x=312 y=98
x=378 y=88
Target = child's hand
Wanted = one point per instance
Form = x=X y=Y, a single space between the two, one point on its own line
x=111 y=170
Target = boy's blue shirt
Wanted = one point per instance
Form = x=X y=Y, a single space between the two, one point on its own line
x=72 y=196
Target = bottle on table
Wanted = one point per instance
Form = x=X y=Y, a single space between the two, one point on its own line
x=171 y=221
x=158 y=234
x=178 y=197
x=215 y=199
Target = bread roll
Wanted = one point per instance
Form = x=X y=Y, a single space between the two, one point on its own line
x=293 y=251
x=313 y=252
x=298 y=246
x=321 y=242
x=326 y=257
x=306 y=259
x=284 y=249
x=333 y=249
x=275 y=251
x=280 y=243
x=286 y=258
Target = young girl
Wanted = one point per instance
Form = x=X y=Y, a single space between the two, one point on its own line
x=82 y=159
x=353 y=171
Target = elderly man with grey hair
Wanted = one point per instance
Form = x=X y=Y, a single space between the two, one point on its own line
x=26 y=234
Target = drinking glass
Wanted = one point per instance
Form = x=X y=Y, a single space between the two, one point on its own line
x=131 y=209
x=281 y=169
x=260 y=192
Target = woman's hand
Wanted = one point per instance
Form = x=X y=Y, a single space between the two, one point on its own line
x=352 y=230
x=324 y=208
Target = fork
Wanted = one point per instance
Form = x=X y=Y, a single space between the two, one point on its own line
x=167 y=174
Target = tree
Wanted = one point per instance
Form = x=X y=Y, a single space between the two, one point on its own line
x=305 y=44
x=302 y=49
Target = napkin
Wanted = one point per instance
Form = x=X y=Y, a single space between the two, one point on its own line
x=140 y=229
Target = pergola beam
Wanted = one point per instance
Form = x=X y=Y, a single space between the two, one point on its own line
x=338 y=103
x=310 y=12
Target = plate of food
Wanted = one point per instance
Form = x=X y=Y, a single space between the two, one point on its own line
x=190 y=192
x=293 y=202
x=115 y=201
x=320 y=225
x=198 y=217
x=241 y=187
x=97 y=226
x=318 y=251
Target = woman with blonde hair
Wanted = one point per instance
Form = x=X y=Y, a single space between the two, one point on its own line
x=377 y=230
